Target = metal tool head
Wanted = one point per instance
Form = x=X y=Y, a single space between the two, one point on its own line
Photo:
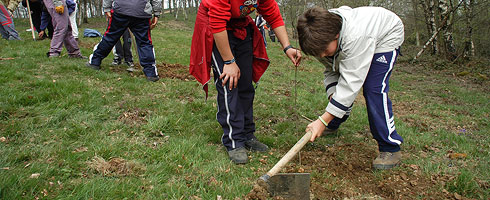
x=290 y=186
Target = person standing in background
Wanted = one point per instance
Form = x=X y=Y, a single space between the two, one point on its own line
x=7 y=29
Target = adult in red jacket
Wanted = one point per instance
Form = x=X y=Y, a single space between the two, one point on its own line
x=227 y=40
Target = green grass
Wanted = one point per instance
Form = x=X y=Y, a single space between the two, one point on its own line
x=52 y=108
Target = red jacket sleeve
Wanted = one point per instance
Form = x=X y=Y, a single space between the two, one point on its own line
x=219 y=13
x=271 y=13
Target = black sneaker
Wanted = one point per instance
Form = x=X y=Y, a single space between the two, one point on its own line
x=256 y=145
x=238 y=155
x=130 y=65
x=92 y=66
x=152 y=78
x=116 y=62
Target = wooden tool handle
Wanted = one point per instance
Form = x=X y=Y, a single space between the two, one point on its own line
x=290 y=154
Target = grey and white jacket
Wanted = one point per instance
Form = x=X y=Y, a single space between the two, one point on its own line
x=365 y=31
x=134 y=8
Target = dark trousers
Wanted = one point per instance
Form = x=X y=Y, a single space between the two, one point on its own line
x=141 y=30
x=123 y=50
x=379 y=107
x=235 y=107
x=375 y=91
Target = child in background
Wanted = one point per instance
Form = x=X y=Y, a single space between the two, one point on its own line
x=359 y=48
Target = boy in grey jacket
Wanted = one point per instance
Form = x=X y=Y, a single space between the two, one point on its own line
x=140 y=16
x=359 y=48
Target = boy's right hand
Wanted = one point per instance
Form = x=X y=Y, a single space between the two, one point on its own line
x=108 y=15
x=230 y=73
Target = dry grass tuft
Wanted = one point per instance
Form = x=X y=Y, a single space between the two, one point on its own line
x=116 y=167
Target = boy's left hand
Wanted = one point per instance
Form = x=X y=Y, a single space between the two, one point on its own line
x=317 y=128
x=294 y=55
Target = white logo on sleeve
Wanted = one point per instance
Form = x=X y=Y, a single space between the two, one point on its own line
x=382 y=59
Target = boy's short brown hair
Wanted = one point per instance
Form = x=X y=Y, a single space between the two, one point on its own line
x=316 y=29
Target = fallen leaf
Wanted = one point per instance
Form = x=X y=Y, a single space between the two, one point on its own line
x=195 y=198
x=414 y=167
x=3 y=139
x=457 y=196
x=263 y=161
x=5 y=168
x=413 y=183
x=404 y=176
x=213 y=181
x=301 y=170
x=457 y=155
x=35 y=175
x=80 y=149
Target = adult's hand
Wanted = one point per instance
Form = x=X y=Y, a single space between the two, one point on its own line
x=154 y=22
x=230 y=73
x=294 y=55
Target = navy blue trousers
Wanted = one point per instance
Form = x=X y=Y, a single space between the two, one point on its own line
x=379 y=107
x=141 y=31
x=235 y=107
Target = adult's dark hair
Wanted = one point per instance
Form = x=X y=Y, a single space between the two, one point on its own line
x=316 y=29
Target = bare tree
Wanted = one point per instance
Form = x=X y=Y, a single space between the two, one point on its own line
x=469 y=48
x=447 y=44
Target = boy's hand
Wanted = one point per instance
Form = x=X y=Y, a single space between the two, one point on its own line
x=230 y=73
x=294 y=55
x=41 y=34
x=154 y=22
x=108 y=15
x=317 y=128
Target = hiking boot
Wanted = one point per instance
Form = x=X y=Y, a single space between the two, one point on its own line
x=256 y=145
x=387 y=160
x=116 y=62
x=152 y=78
x=238 y=155
x=92 y=66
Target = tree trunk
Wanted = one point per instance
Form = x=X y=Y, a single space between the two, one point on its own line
x=431 y=22
x=447 y=44
x=469 y=50
x=176 y=7
x=170 y=6
x=85 y=11
x=415 y=14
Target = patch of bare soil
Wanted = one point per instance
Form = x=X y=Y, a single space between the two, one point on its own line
x=344 y=171
x=86 y=44
x=115 y=167
x=173 y=71
x=133 y=117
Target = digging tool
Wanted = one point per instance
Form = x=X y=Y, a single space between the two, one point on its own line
x=30 y=20
x=290 y=185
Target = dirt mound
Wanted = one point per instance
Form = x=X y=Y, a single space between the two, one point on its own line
x=344 y=171
x=177 y=71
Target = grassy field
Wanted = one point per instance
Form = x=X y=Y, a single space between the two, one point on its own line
x=69 y=132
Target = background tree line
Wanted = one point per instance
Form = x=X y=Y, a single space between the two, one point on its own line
x=449 y=29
